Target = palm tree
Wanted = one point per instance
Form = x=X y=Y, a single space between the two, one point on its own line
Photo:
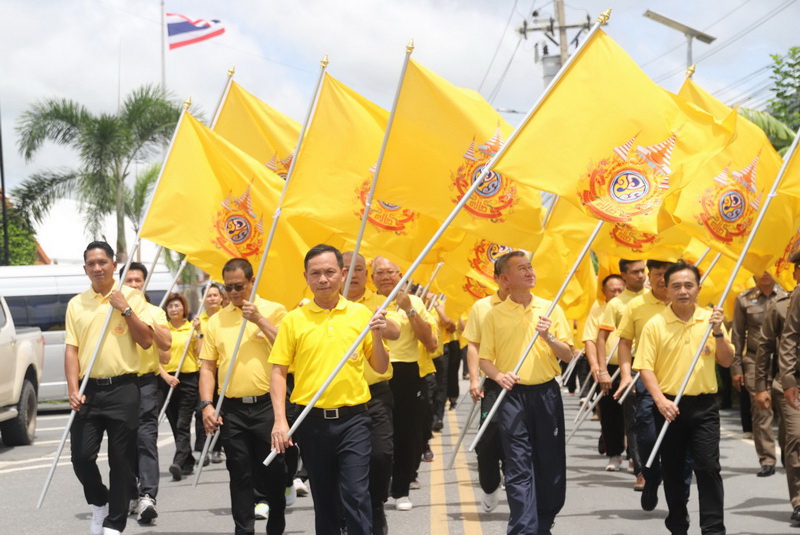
x=779 y=133
x=107 y=145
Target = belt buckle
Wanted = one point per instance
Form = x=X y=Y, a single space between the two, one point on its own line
x=103 y=381
x=330 y=414
x=249 y=400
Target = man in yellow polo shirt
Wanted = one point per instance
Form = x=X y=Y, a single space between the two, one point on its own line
x=143 y=495
x=416 y=325
x=247 y=416
x=666 y=348
x=531 y=417
x=110 y=402
x=381 y=402
x=335 y=438
x=489 y=450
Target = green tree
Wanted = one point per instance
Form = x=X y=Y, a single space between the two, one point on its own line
x=108 y=145
x=785 y=106
x=779 y=134
x=21 y=239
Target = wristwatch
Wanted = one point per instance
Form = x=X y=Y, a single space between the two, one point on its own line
x=551 y=338
x=411 y=313
x=203 y=404
x=199 y=335
x=127 y=312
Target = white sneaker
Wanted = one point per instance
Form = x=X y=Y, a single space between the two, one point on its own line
x=403 y=504
x=489 y=501
x=133 y=507
x=614 y=464
x=300 y=487
x=109 y=531
x=147 y=510
x=99 y=514
x=291 y=495
x=262 y=511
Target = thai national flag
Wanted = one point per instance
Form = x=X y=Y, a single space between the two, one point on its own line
x=184 y=31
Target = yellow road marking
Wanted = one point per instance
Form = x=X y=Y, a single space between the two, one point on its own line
x=438 y=496
x=466 y=495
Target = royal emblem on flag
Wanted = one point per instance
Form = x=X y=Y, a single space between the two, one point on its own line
x=280 y=167
x=631 y=183
x=496 y=196
x=239 y=230
x=484 y=255
x=476 y=289
x=635 y=240
x=792 y=247
x=729 y=207
x=384 y=215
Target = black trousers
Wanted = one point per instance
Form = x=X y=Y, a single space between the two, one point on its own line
x=452 y=353
x=489 y=449
x=114 y=410
x=180 y=410
x=380 y=465
x=531 y=420
x=200 y=430
x=337 y=455
x=612 y=419
x=695 y=431
x=147 y=439
x=440 y=395
x=406 y=386
x=246 y=436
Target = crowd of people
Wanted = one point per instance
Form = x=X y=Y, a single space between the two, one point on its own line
x=368 y=430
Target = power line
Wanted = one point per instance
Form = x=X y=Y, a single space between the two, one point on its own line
x=739 y=81
x=499 y=43
x=496 y=89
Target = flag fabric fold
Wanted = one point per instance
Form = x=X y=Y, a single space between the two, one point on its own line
x=183 y=31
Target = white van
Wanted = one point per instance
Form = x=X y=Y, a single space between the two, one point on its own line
x=37 y=296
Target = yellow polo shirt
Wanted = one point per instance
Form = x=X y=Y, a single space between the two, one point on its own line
x=481 y=307
x=85 y=318
x=372 y=301
x=591 y=328
x=312 y=340
x=615 y=308
x=507 y=331
x=668 y=345
x=204 y=317
x=180 y=337
x=638 y=312
x=406 y=348
x=426 y=365
x=252 y=371
x=148 y=358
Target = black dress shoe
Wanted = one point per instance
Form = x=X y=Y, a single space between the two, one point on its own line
x=766 y=470
x=795 y=514
x=649 y=498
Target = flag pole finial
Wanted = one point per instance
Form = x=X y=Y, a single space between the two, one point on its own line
x=410 y=47
x=231 y=71
x=187 y=103
x=690 y=70
x=604 y=16
x=324 y=62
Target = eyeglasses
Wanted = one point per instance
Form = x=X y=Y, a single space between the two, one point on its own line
x=235 y=287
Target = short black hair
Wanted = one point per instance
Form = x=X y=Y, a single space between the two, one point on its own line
x=657 y=264
x=500 y=263
x=612 y=277
x=623 y=264
x=99 y=245
x=794 y=258
x=135 y=266
x=321 y=249
x=235 y=264
x=680 y=265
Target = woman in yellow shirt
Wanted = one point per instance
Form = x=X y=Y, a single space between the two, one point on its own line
x=184 y=400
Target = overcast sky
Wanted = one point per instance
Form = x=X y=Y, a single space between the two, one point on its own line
x=93 y=50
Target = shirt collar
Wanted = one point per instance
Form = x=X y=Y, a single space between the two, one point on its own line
x=98 y=295
x=672 y=318
x=494 y=299
x=314 y=307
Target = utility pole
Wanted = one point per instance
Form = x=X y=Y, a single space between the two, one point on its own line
x=551 y=63
x=689 y=32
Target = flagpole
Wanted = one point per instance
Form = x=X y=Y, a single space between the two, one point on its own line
x=264 y=255
x=104 y=331
x=223 y=96
x=571 y=367
x=471 y=418
x=371 y=193
x=433 y=276
x=172 y=284
x=589 y=410
x=702 y=280
x=185 y=352
x=595 y=383
x=702 y=256
x=163 y=47
x=159 y=250
x=750 y=238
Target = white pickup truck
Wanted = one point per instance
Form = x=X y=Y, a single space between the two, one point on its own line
x=21 y=359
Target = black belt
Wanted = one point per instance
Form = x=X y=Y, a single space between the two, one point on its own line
x=248 y=400
x=113 y=381
x=335 y=414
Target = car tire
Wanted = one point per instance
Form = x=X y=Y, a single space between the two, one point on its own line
x=22 y=430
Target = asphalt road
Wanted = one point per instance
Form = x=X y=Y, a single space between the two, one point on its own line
x=598 y=502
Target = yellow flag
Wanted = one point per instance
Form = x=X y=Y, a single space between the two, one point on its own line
x=258 y=129
x=608 y=139
x=721 y=203
x=214 y=203
x=441 y=138
x=334 y=172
